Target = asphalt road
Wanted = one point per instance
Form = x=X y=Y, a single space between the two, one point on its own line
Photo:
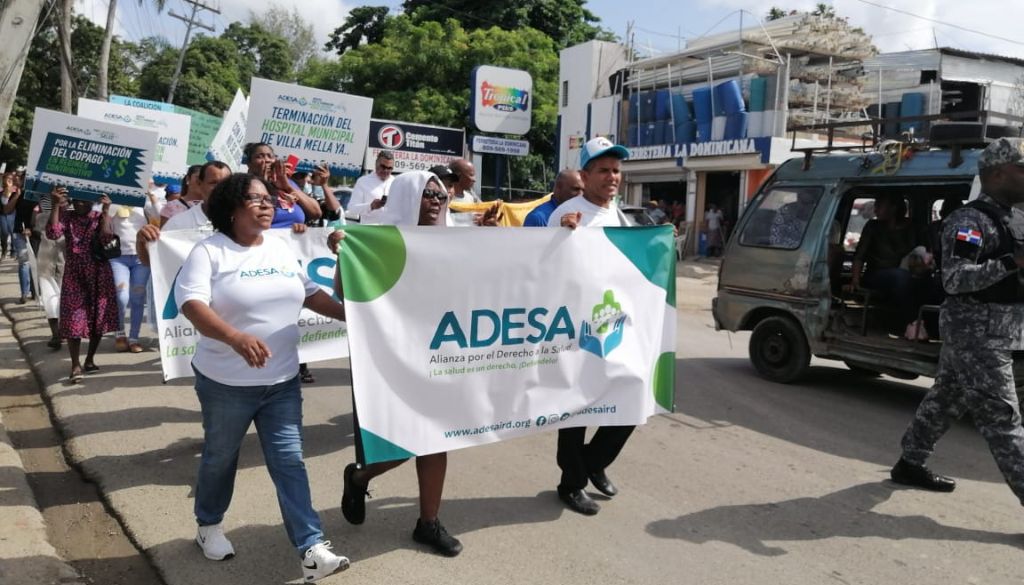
x=748 y=482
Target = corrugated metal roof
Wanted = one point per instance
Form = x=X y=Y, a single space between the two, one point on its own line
x=977 y=55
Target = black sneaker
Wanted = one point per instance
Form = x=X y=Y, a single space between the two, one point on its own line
x=920 y=476
x=353 y=497
x=434 y=535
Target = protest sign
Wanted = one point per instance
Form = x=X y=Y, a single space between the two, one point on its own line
x=227 y=144
x=416 y=147
x=533 y=331
x=171 y=154
x=320 y=338
x=90 y=157
x=320 y=127
x=200 y=136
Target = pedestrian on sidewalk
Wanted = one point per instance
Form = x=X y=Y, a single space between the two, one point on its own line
x=50 y=264
x=131 y=276
x=22 y=208
x=243 y=290
x=7 y=217
x=88 y=302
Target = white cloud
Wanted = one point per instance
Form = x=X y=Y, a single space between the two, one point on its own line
x=134 y=23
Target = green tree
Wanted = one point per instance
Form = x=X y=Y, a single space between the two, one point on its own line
x=420 y=72
x=824 y=10
x=294 y=29
x=567 y=22
x=363 y=24
x=40 y=83
x=775 y=13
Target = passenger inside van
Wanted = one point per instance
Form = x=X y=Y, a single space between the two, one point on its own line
x=790 y=222
x=885 y=244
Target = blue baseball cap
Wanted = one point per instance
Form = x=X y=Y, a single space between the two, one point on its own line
x=599 y=147
x=172 y=189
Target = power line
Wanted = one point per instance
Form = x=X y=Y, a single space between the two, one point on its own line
x=956 y=26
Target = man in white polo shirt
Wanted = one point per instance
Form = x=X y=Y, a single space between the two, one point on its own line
x=580 y=462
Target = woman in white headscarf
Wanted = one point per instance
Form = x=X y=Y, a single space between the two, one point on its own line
x=415 y=198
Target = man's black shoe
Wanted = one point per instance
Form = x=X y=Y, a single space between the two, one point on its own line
x=603 y=484
x=579 y=501
x=353 y=498
x=920 y=476
x=434 y=535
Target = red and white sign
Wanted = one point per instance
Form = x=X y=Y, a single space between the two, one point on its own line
x=391 y=136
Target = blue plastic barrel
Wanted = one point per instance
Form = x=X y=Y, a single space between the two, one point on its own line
x=891 y=111
x=758 y=92
x=736 y=125
x=647 y=134
x=703 y=131
x=662 y=105
x=680 y=109
x=702 y=244
x=686 y=132
x=633 y=133
x=702 y=106
x=912 y=105
x=647 y=107
x=634 y=113
x=663 y=132
x=729 y=98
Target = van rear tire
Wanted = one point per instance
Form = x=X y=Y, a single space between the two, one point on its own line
x=778 y=349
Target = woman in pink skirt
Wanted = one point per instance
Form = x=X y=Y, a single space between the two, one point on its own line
x=88 y=300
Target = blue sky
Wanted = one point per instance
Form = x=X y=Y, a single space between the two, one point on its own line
x=657 y=22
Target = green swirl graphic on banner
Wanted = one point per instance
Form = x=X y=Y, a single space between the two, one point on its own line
x=652 y=251
x=89 y=160
x=664 y=381
x=372 y=260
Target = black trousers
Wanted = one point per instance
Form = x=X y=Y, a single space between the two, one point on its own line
x=577 y=460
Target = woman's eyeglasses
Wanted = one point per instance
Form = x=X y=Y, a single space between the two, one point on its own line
x=260 y=200
x=439 y=195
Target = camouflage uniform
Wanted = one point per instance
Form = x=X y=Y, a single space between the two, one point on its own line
x=976 y=363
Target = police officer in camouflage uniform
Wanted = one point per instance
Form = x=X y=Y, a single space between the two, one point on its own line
x=982 y=322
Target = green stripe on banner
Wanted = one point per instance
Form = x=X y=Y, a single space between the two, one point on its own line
x=377 y=449
x=372 y=260
x=664 y=381
x=652 y=251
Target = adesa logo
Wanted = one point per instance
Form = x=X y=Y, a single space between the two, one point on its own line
x=603 y=333
x=290 y=99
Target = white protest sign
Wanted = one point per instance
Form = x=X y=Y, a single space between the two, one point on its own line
x=90 y=157
x=321 y=338
x=230 y=139
x=320 y=127
x=534 y=330
x=170 y=160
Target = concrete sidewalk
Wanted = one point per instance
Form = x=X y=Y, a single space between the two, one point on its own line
x=26 y=557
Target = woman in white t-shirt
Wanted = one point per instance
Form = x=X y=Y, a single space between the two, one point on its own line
x=243 y=291
x=415 y=198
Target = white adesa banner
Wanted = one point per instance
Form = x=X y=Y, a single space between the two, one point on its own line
x=321 y=338
x=536 y=329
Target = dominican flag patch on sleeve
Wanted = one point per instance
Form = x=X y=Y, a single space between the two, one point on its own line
x=968 y=236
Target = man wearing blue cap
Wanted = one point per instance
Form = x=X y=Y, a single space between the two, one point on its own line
x=601 y=171
x=580 y=462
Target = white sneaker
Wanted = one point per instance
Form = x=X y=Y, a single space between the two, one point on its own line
x=319 y=562
x=215 y=545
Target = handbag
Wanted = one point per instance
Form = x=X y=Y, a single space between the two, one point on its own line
x=105 y=251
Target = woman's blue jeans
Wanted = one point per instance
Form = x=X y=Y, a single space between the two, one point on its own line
x=130 y=279
x=24 y=269
x=277 y=412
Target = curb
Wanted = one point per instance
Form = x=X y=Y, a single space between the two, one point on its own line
x=26 y=556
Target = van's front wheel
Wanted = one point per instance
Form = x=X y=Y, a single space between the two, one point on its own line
x=778 y=349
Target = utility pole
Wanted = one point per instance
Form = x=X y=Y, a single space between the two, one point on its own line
x=191 y=22
x=18 y=20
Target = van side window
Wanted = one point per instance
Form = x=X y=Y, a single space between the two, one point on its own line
x=781 y=218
